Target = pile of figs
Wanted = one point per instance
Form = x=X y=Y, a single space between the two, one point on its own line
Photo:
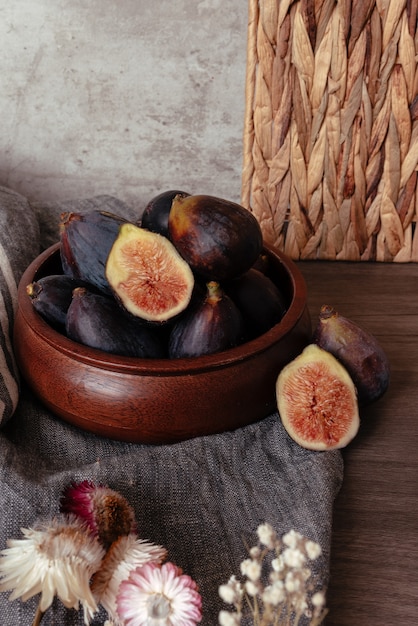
x=187 y=279
x=191 y=278
x=320 y=391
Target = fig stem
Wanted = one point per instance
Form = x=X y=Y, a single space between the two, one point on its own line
x=214 y=291
x=327 y=311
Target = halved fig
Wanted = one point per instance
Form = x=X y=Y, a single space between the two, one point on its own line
x=317 y=400
x=147 y=274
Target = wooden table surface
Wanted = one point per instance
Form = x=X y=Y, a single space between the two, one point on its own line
x=374 y=554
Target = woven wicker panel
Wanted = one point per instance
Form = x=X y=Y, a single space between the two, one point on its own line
x=331 y=127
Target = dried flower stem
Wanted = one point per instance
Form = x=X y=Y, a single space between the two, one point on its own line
x=38 y=616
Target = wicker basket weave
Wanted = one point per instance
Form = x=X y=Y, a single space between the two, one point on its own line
x=331 y=127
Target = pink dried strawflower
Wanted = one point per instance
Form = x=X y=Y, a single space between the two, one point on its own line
x=159 y=595
x=107 y=512
x=125 y=554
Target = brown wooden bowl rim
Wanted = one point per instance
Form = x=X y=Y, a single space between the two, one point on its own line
x=163 y=367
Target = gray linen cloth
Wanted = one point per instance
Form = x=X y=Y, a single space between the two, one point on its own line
x=202 y=499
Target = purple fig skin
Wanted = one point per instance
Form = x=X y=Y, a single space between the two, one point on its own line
x=155 y=215
x=358 y=350
x=219 y=239
x=97 y=321
x=51 y=297
x=86 y=240
x=261 y=303
x=210 y=324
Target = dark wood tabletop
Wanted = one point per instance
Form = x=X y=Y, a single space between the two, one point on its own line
x=374 y=553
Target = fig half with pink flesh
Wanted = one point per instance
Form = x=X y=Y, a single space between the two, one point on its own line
x=317 y=400
x=147 y=275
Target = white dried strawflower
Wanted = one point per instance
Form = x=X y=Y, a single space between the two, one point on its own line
x=56 y=558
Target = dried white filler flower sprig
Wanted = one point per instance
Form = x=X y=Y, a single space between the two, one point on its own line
x=278 y=586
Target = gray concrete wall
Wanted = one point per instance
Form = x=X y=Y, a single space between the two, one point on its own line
x=126 y=97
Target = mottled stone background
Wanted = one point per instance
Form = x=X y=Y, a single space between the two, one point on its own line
x=123 y=97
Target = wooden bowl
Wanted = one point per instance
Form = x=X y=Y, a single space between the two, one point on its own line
x=158 y=401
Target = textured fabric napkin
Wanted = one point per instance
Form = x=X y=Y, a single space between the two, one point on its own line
x=202 y=499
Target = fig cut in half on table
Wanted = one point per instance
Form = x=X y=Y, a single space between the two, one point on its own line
x=147 y=275
x=317 y=400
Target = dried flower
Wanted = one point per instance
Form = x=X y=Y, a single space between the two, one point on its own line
x=159 y=595
x=267 y=535
x=229 y=619
x=282 y=595
x=231 y=593
x=107 y=512
x=54 y=558
x=125 y=554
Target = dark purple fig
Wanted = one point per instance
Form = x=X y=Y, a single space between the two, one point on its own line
x=147 y=275
x=358 y=350
x=86 y=240
x=209 y=325
x=219 y=239
x=155 y=215
x=262 y=264
x=51 y=296
x=97 y=321
x=261 y=303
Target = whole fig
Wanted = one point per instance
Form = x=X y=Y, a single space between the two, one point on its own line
x=52 y=295
x=261 y=303
x=97 y=321
x=86 y=240
x=317 y=401
x=210 y=324
x=357 y=349
x=156 y=212
x=219 y=239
